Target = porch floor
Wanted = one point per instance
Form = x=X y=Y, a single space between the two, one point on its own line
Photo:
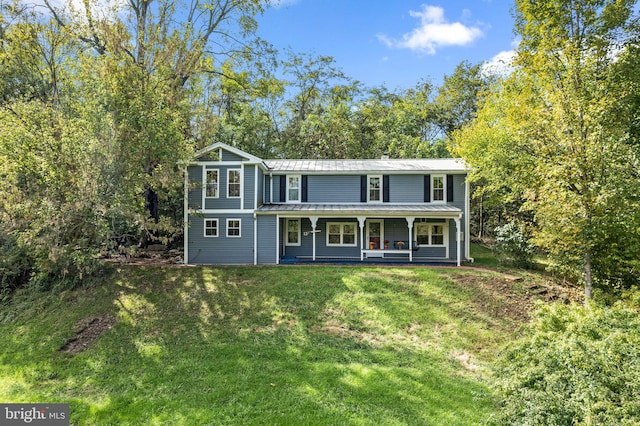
x=304 y=260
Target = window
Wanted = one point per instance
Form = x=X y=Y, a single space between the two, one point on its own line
x=375 y=188
x=293 y=188
x=211 y=184
x=437 y=188
x=293 y=232
x=437 y=235
x=430 y=234
x=341 y=234
x=211 y=227
x=233 y=227
x=233 y=183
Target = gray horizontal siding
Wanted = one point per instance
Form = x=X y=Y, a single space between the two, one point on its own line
x=394 y=230
x=195 y=187
x=222 y=249
x=222 y=202
x=248 y=187
x=406 y=188
x=334 y=189
x=266 y=239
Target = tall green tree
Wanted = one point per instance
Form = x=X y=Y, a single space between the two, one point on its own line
x=149 y=55
x=549 y=136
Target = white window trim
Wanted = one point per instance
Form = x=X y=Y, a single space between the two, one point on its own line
x=217 y=228
x=342 y=224
x=239 y=228
x=369 y=200
x=287 y=231
x=444 y=189
x=289 y=200
x=430 y=225
x=205 y=182
x=228 y=182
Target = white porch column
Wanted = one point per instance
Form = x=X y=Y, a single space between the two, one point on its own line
x=277 y=239
x=410 y=220
x=314 y=222
x=361 y=220
x=255 y=239
x=457 y=220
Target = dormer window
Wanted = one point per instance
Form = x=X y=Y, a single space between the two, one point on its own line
x=293 y=188
x=375 y=189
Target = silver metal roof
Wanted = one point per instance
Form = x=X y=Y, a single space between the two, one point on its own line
x=355 y=209
x=358 y=166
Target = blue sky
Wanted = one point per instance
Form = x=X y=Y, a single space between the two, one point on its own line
x=393 y=42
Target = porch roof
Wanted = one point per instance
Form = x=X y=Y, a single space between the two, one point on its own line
x=383 y=209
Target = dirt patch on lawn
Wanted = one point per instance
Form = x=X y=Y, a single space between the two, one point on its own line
x=89 y=330
x=512 y=297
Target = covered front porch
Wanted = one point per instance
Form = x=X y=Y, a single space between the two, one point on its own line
x=368 y=233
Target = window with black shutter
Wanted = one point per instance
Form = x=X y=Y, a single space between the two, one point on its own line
x=363 y=189
x=449 y=188
x=385 y=188
x=427 y=188
x=304 y=189
x=283 y=189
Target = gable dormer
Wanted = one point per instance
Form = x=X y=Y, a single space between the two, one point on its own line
x=225 y=178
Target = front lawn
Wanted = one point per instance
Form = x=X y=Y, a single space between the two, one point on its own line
x=258 y=345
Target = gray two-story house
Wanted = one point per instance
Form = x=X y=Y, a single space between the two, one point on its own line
x=241 y=209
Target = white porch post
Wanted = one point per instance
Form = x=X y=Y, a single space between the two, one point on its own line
x=410 y=220
x=457 y=220
x=255 y=239
x=314 y=222
x=361 y=220
x=277 y=239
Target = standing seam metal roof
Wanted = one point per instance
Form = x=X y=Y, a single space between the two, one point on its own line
x=393 y=165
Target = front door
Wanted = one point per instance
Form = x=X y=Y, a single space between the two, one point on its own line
x=375 y=235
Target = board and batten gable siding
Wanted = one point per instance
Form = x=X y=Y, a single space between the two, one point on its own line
x=230 y=156
x=221 y=249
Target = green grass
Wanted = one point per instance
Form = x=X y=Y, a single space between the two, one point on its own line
x=483 y=256
x=258 y=345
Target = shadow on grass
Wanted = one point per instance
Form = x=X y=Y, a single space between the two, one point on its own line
x=263 y=345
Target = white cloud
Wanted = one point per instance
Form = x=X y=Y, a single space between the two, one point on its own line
x=502 y=63
x=434 y=32
x=282 y=3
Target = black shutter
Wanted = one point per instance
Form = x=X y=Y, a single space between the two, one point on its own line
x=283 y=189
x=385 y=188
x=363 y=189
x=427 y=188
x=449 y=188
x=304 y=188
